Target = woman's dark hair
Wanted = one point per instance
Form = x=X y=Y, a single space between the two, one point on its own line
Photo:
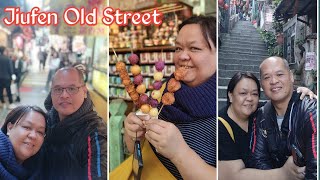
x=207 y=25
x=17 y=113
x=235 y=80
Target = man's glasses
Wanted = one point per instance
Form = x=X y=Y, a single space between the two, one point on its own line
x=70 y=90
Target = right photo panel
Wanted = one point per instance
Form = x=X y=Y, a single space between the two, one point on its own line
x=267 y=89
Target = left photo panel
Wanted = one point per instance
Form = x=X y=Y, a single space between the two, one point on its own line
x=53 y=90
x=162 y=120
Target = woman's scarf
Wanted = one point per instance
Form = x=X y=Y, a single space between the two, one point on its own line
x=192 y=103
x=9 y=167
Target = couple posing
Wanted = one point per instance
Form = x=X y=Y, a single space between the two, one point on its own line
x=69 y=142
x=251 y=139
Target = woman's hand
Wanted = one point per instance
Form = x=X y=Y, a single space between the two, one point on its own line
x=165 y=137
x=305 y=91
x=293 y=171
x=134 y=126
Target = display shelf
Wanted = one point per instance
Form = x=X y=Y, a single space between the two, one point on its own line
x=150 y=43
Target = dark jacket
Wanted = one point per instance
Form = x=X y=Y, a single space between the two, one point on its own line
x=6 y=68
x=270 y=147
x=76 y=148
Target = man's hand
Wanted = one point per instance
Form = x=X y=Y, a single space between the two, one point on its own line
x=293 y=171
x=305 y=91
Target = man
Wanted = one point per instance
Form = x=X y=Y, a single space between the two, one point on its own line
x=6 y=72
x=284 y=121
x=76 y=143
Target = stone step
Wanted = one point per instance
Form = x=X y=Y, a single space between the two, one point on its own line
x=240 y=56
x=222 y=93
x=248 y=52
x=244 y=39
x=242 y=67
x=246 y=33
x=234 y=61
x=223 y=103
x=230 y=73
x=245 y=49
x=223 y=81
x=239 y=44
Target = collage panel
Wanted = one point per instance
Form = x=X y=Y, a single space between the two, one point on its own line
x=53 y=91
x=162 y=92
x=267 y=90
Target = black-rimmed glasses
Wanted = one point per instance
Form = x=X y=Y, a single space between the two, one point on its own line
x=70 y=90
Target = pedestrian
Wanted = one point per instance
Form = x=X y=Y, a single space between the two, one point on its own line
x=18 y=71
x=42 y=55
x=54 y=62
x=76 y=143
x=284 y=122
x=6 y=72
x=21 y=137
x=175 y=138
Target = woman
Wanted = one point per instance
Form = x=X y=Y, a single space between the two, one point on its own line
x=21 y=137
x=184 y=136
x=242 y=101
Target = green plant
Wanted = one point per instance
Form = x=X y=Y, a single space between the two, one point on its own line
x=277 y=25
x=270 y=40
x=276 y=2
x=278 y=51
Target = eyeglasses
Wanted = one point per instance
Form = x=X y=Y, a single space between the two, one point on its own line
x=70 y=90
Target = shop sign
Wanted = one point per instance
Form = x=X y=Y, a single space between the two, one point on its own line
x=310 y=61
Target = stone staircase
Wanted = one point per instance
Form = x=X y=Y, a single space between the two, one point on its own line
x=242 y=50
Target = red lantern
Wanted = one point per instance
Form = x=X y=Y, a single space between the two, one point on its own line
x=221 y=2
x=226 y=6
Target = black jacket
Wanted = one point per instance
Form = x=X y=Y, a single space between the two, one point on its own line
x=6 y=68
x=270 y=147
x=75 y=148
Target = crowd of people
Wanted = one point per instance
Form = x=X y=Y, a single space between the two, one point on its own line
x=13 y=67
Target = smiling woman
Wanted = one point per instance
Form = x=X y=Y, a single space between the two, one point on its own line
x=174 y=136
x=21 y=137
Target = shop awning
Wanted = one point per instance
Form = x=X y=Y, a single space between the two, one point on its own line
x=289 y=8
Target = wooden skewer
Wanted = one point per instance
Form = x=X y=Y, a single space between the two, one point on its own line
x=115 y=53
x=160 y=109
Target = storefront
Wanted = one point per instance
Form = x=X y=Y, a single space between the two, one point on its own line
x=299 y=19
